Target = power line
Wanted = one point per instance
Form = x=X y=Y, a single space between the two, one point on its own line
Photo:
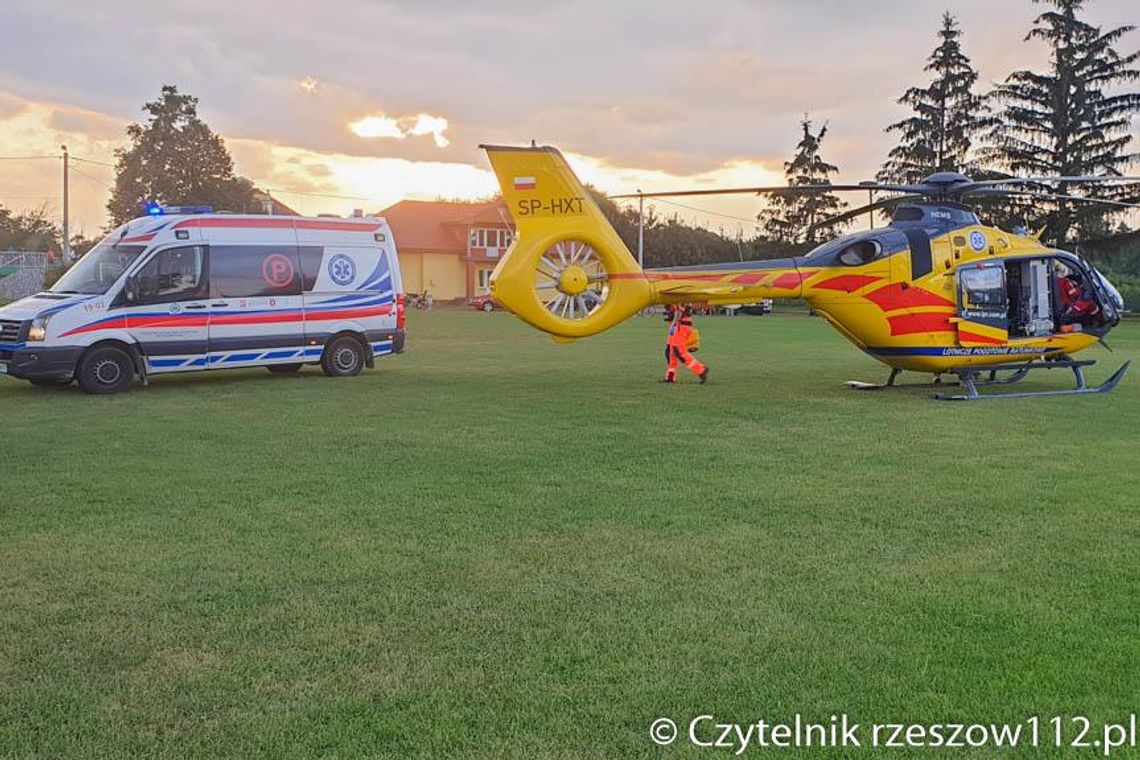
x=318 y=195
x=706 y=211
x=24 y=158
x=87 y=176
x=89 y=161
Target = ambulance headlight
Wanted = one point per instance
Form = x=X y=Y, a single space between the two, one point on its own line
x=37 y=333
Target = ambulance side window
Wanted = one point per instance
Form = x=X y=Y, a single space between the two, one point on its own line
x=251 y=271
x=176 y=274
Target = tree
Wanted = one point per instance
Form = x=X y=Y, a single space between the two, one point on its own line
x=175 y=158
x=791 y=216
x=29 y=231
x=1072 y=120
x=948 y=116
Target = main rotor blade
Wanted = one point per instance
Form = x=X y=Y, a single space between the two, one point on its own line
x=775 y=190
x=1087 y=178
x=855 y=212
x=1002 y=192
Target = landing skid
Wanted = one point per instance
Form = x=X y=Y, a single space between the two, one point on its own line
x=856 y=385
x=969 y=379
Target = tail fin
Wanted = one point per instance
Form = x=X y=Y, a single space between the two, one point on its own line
x=568 y=272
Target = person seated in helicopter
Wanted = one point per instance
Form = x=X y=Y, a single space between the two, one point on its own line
x=1076 y=306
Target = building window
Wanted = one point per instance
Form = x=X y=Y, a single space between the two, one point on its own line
x=490 y=238
x=484 y=280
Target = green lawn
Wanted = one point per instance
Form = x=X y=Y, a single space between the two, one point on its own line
x=495 y=546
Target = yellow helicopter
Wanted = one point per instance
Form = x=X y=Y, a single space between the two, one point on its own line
x=935 y=291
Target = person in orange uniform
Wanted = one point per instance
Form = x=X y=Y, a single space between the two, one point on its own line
x=680 y=321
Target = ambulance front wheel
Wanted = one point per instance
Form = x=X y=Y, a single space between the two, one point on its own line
x=105 y=369
x=343 y=357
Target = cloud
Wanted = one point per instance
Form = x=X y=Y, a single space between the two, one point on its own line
x=381 y=126
x=96 y=126
x=377 y=126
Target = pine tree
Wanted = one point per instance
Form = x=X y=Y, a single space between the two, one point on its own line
x=948 y=115
x=1073 y=120
x=790 y=217
x=175 y=158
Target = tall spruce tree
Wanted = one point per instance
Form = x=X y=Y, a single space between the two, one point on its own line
x=1072 y=120
x=176 y=158
x=948 y=116
x=790 y=217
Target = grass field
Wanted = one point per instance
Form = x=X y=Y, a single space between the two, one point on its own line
x=494 y=546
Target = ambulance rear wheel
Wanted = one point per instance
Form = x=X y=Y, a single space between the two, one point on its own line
x=285 y=369
x=105 y=370
x=343 y=357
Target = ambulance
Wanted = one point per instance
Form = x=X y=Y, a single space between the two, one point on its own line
x=186 y=289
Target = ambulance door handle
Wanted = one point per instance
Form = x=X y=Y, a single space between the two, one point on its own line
x=219 y=304
x=194 y=306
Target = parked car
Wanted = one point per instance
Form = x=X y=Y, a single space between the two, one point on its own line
x=193 y=290
x=758 y=309
x=484 y=303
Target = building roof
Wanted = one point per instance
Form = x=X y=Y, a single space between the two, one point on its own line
x=440 y=225
x=277 y=208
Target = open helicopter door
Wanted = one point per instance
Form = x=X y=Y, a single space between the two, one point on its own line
x=983 y=305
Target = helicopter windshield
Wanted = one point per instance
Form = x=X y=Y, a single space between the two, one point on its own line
x=826 y=250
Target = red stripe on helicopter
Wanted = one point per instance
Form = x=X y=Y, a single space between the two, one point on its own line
x=975 y=338
x=896 y=296
x=749 y=279
x=792 y=280
x=906 y=324
x=847 y=283
x=670 y=276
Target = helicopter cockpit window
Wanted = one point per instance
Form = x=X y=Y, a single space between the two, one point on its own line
x=860 y=253
x=983 y=289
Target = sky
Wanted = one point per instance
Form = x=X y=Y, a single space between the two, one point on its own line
x=348 y=104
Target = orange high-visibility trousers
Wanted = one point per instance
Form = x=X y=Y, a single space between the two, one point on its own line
x=677 y=351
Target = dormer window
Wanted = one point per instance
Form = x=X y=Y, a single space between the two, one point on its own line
x=483 y=237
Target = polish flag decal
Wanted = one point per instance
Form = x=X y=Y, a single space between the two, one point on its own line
x=524 y=183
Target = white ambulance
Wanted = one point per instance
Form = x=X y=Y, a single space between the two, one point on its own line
x=187 y=289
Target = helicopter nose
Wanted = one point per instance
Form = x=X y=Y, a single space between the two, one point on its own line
x=1114 y=294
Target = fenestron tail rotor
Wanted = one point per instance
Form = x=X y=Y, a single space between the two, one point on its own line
x=571 y=280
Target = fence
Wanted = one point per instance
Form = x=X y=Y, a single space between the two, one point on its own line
x=22 y=274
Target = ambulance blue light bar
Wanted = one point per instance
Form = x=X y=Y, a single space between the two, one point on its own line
x=153 y=209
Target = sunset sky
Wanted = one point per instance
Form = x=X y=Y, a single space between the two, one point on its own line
x=375 y=102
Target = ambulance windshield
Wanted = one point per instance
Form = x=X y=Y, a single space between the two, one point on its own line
x=97 y=271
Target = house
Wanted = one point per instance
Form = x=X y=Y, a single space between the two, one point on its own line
x=449 y=248
x=267 y=204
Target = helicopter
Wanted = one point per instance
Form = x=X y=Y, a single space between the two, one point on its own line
x=935 y=291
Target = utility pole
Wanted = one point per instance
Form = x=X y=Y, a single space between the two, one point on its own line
x=871 y=202
x=640 y=230
x=65 y=254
